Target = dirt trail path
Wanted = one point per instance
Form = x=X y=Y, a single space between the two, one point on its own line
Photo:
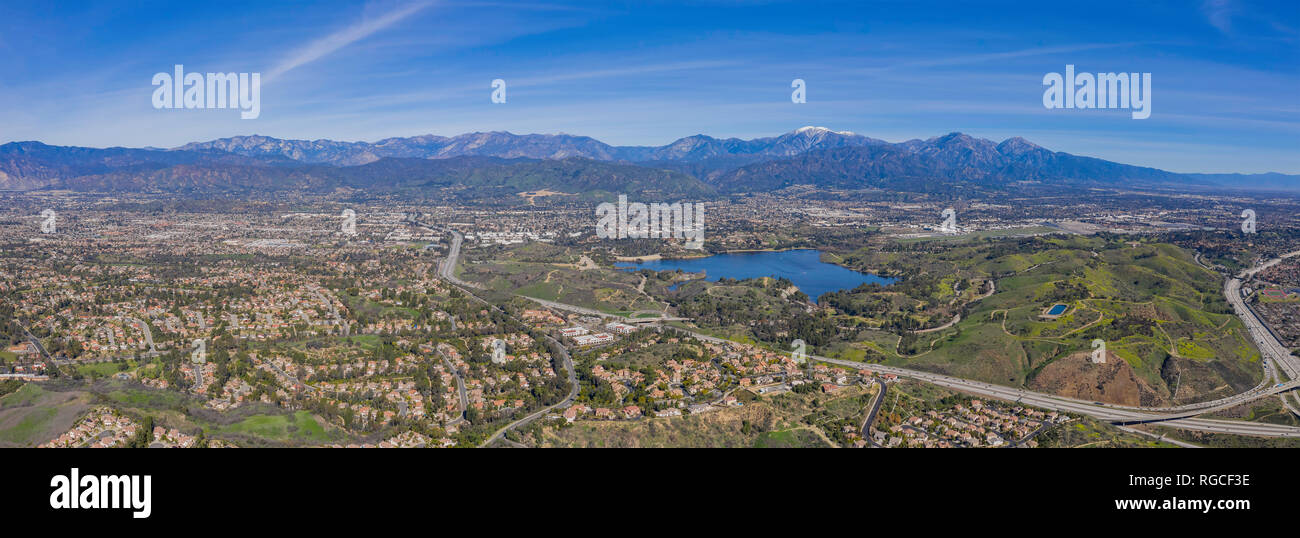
x=957 y=318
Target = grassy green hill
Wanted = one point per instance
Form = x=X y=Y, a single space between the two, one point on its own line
x=1163 y=318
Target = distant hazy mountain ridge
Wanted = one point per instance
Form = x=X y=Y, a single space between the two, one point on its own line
x=954 y=159
x=695 y=165
x=533 y=146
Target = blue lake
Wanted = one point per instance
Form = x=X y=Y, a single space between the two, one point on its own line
x=803 y=267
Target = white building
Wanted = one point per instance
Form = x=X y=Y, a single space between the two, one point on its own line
x=621 y=328
x=593 y=339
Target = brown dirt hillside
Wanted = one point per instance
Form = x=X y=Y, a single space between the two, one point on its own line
x=1113 y=381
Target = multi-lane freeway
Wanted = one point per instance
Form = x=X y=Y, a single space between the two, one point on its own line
x=1178 y=417
x=1110 y=413
x=447 y=270
x=1274 y=352
x=1182 y=417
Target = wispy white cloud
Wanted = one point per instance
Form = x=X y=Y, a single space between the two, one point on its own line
x=972 y=59
x=321 y=47
x=1219 y=14
x=623 y=71
x=433 y=95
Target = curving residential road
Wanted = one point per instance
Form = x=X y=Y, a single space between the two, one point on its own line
x=957 y=317
x=287 y=375
x=36 y=342
x=447 y=270
x=460 y=388
x=871 y=416
x=146 y=331
x=1292 y=408
x=567 y=361
x=1183 y=417
x=1177 y=417
x=1107 y=412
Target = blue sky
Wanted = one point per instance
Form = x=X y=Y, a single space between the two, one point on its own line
x=1225 y=73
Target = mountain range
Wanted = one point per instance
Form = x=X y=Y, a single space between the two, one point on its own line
x=535 y=146
x=497 y=162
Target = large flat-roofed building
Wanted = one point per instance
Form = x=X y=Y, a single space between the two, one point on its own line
x=593 y=339
x=574 y=331
x=621 y=328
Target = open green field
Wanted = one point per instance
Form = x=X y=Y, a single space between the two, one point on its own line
x=1161 y=316
x=547 y=272
x=1169 y=335
x=300 y=426
x=25 y=395
x=366 y=341
x=104 y=369
x=34 y=414
x=31 y=415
